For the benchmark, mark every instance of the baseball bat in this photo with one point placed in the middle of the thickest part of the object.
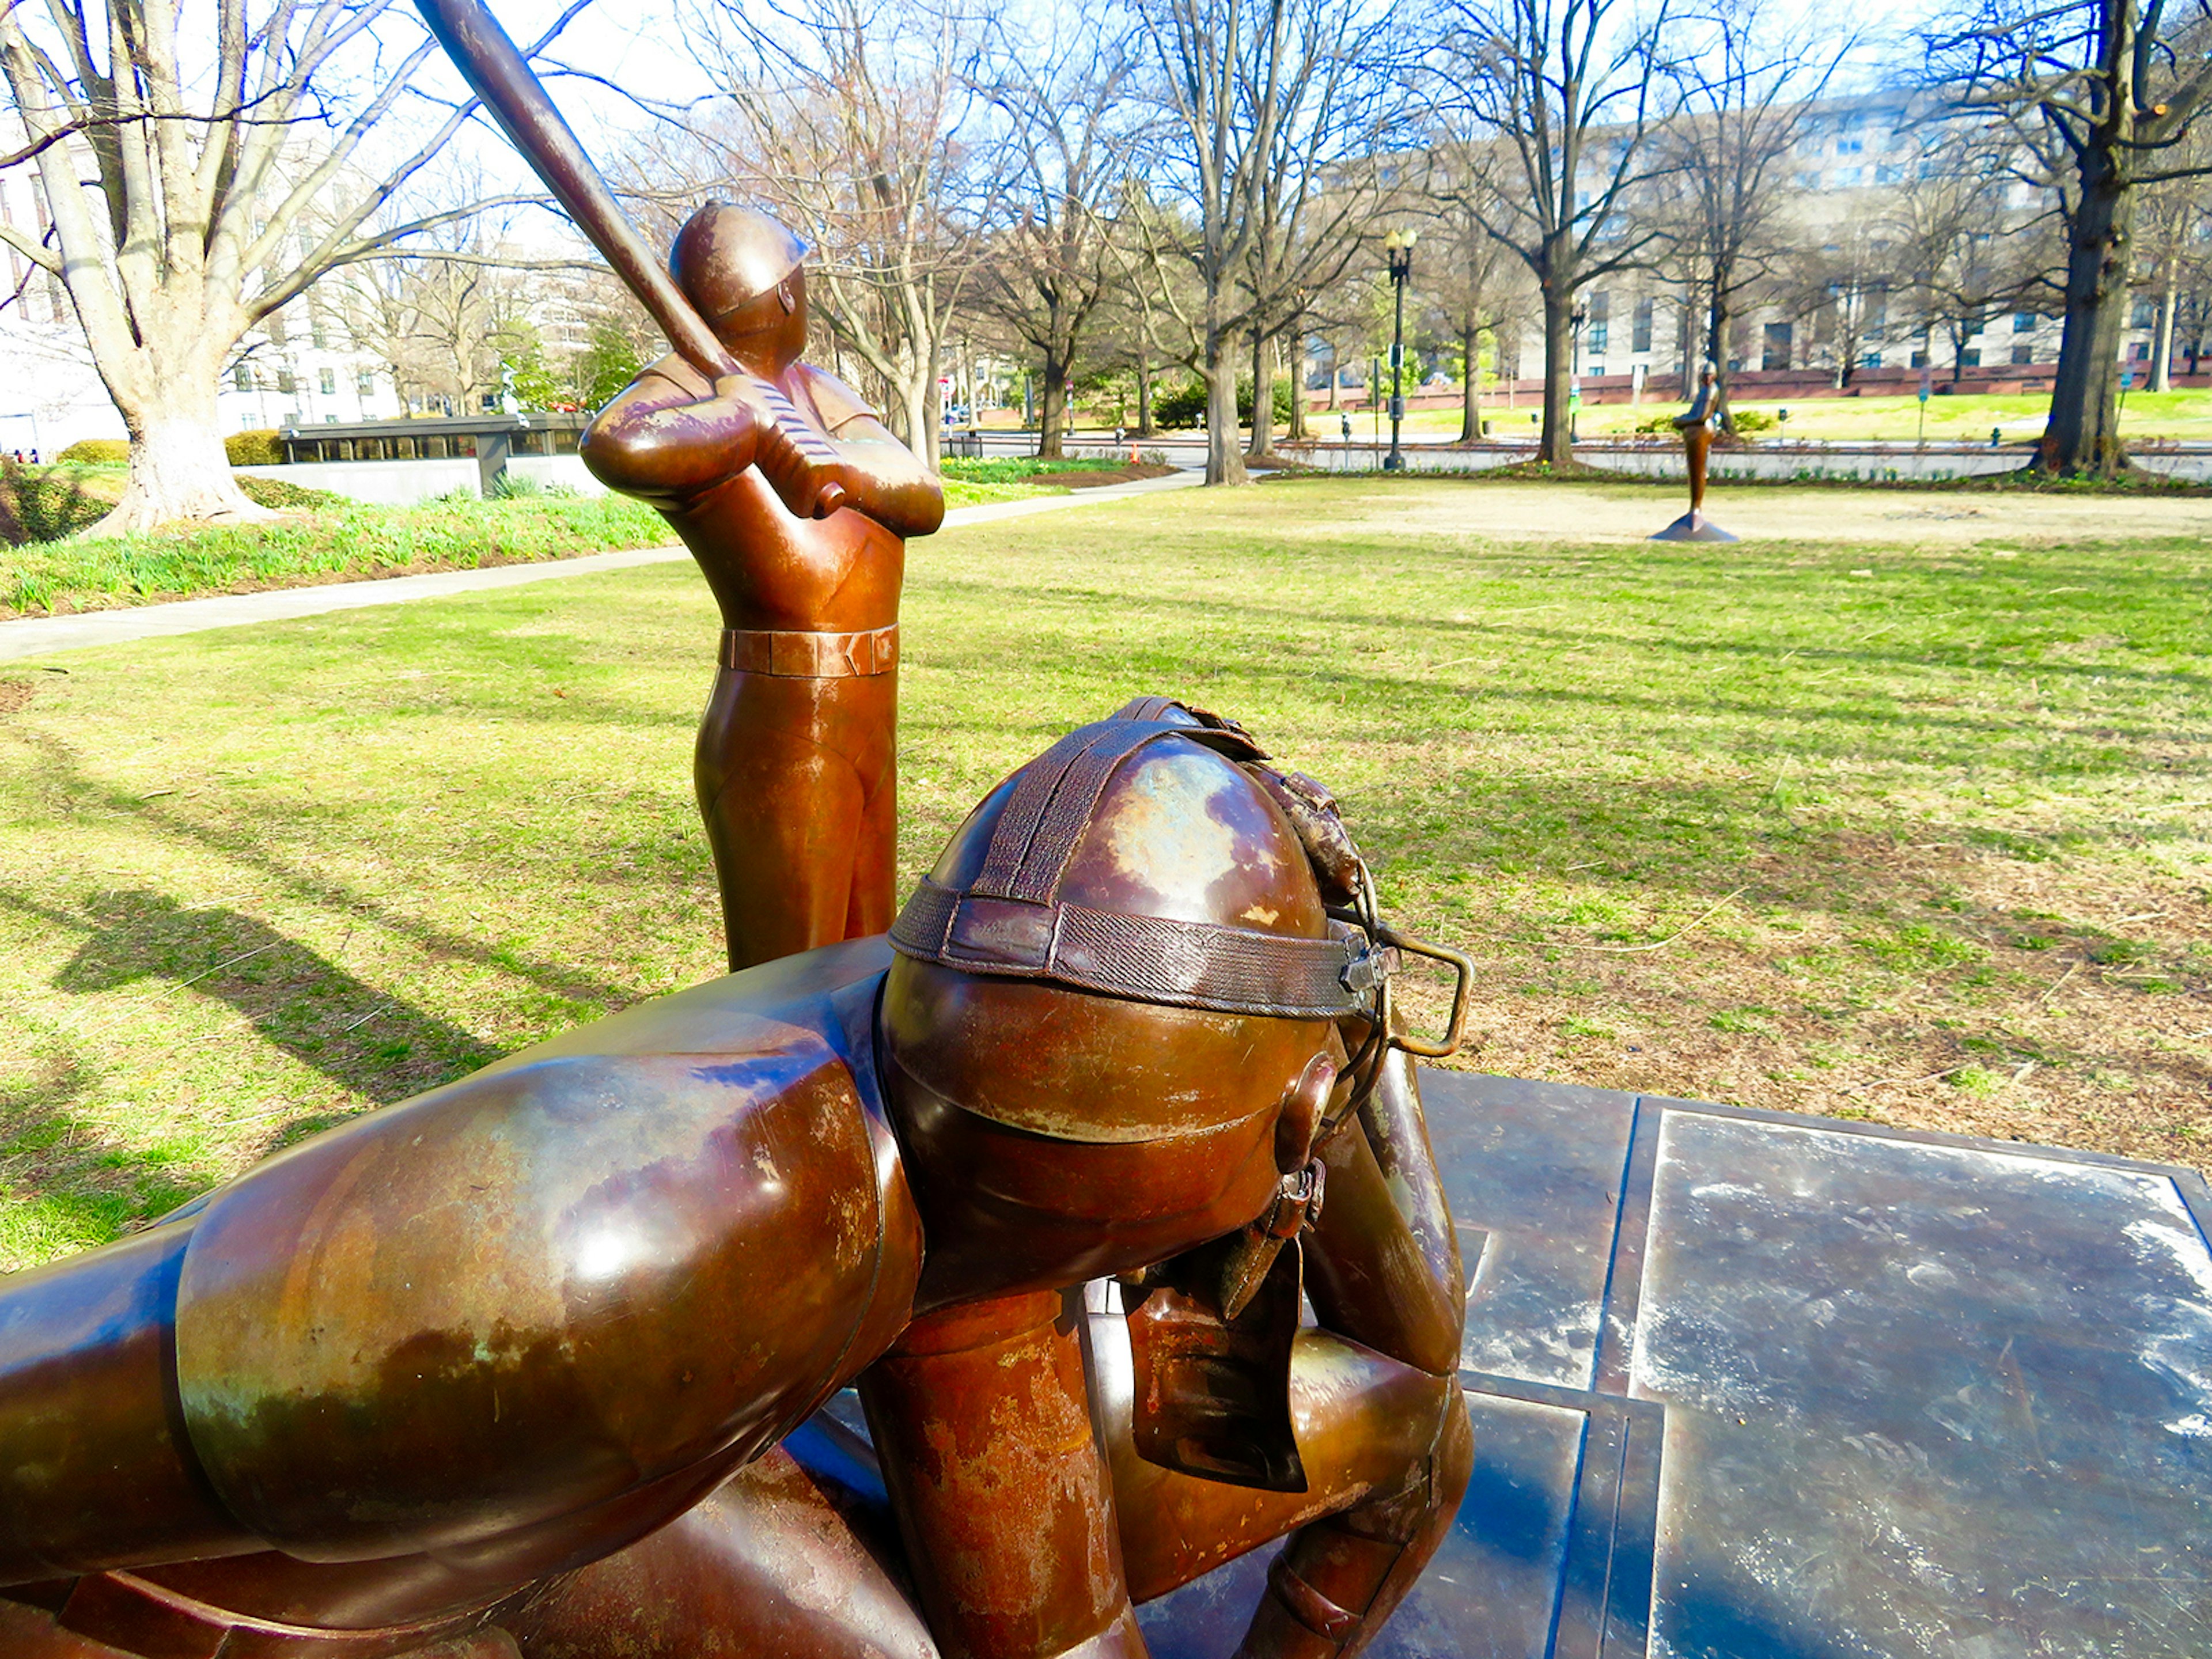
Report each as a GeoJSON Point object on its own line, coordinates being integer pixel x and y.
{"type": "Point", "coordinates": [494, 68]}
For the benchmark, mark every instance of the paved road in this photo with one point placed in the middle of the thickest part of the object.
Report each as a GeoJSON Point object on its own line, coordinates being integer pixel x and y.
{"type": "Point", "coordinates": [36, 636]}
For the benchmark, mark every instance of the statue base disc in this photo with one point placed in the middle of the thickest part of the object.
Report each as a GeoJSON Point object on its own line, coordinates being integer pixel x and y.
{"type": "Point", "coordinates": [1694, 527]}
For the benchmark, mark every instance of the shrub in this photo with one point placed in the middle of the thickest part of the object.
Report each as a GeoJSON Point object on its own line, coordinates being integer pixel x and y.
{"type": "Point", "coordinates": [275, 492]}
{"type": "Point", "coordinates": [259, 447]}
{"type": "Point", "coordinates": [44, 504]}
{"type": "Point", "coordinates": [1179, 407]}
{"type": "Point", "coordinates": [1751, 420]}
{"type": "Point", "coordinates": [98, 452]}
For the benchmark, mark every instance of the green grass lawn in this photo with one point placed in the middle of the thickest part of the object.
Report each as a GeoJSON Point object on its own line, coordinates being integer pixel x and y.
{"type": "Point", "coordinates": [1967, 418]}
{"type": "Point", "coordinates": [321, 538]}
{"type": "Point", "coordinates": [1919, 834]}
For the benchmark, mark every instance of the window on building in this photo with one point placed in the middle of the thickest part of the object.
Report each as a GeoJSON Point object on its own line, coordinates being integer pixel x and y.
{"type": "Point", "coordinates": [273, 326]}
{"type": "Point", "coordinates": [1846, 177]}
{"type": "Point", "coordinates": [328, 379]}
{"type": "Point", "coordinates": [285, 383]}
{"type": "Point", "coordinates": [1850, 146]}
{"type": "Point", "coordinates": [2139, 351]}
{"type": "Point", "coordinates": [2145, 315]}
{"type": "Point", "coordinates": [365, 383]}
{"type": "Point", "coordinates": [1919, 360]}
{"type": "Point", "coordinates": [1809, 181]}
{"type": "Point", "coordinates": [2022, 355]}
{"type": "Point", "coordinates": [1596, 369]}
{"type": "Point", "coordinates": [1970, 358]}
{"type": "Point", "coordinates": [1775, 346]}
{"type": "Point", "coordinates": [1872, 360]}
{"type": "Point", "coordinates": [1640, 337]}
{"type": "Point", "coordinates": [1888, 174]}
{"type": "Point", "coordinates": [2023, 322]}
{"type": "Point", "coordinates": [1599, 333]}
{"type": "Point", "coordinates": [242, 377]}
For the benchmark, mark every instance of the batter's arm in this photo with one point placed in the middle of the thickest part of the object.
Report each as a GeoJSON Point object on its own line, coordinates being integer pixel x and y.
{"type": "Point", "coordinates": [885, 481]}
{"type": "Point", "coordinates": [664, 441]}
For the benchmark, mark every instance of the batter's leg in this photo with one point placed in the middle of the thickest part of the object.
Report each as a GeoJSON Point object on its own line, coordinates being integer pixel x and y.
{"type": "Point", "coordinates": [783, 813]}
{"type": "Point", "coordinates": [874, 750]}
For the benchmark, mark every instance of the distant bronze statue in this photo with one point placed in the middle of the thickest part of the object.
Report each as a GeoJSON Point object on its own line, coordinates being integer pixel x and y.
{"type": "Point", "coordinates": [795, 501]}
{"type": "Point", "coordinates": [1696, 425]}
{"type": "Point", "coordinates": [505, 1369]}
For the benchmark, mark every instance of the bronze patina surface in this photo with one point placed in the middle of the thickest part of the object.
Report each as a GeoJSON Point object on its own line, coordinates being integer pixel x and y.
{"type": "Point", "coordinates": [796, 503]}
{"type": "Point", "coordinates": [536, 1362]}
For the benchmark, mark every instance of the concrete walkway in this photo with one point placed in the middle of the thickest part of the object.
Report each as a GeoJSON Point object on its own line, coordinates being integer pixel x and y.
{"type": "Point", "coordinates": [36, 636]}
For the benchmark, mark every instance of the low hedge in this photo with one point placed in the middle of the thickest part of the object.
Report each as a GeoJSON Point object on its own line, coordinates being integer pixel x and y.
{"type": "Point", "coordinates": [98, 452]}
{"type": "Point", "coordinates": [257, 447]}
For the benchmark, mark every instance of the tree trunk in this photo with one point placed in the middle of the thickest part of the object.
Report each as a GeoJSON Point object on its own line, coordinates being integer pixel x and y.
{"type": "Point", "coordinates": [2162, 355]}
{"type": "Point", "coordinates": [1717, 321]}
{"type": "Point", "coordinates": [178, 466]}
{"type": "Point", "coordinates": [1470, 404]}
{"type": "Point", "coordinates": [1052, 420]}
{"type": "Point", "coordinates": [1557, 445]}
{"type": "Point", "coordinates": [1224, 463]}
{"type": "Point", "coordinates": [1144, 394]}
{"type": "Point", "coordinates": [1686, 336]}
{"type": "Point", "coordinates": [1296, 370]}
{"type": "Point", "coordinates": [2083, 433]}
{"type": "Point", "coordinates": [1263, 399]}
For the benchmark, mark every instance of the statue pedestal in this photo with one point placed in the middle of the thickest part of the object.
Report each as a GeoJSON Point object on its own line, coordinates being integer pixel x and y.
{"type": "Point", "coordinates": [1750, 1385]}
{"type": "Point", "coordinates": [1694, 527]}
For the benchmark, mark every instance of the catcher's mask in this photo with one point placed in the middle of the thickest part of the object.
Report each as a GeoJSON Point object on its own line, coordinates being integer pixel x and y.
{"type": "Point", "coordinates": [1009, 921]}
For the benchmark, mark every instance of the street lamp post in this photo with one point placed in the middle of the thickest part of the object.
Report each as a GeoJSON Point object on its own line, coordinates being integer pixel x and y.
{"type": "Point", "coordinates": [1399, 245]}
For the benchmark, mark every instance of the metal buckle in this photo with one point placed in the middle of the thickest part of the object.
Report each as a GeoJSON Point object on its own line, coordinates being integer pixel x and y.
{"type": "Point", "coordinates": [1462, 966]}
{"type": "Point", "coordinates": [1370, 969]}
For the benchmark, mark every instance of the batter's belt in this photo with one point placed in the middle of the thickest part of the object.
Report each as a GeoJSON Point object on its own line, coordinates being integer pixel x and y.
{"type": "Point", "coordinates": [800, 655]}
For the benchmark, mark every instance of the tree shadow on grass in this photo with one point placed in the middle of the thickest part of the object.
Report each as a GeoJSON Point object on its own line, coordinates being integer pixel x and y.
{"type": "Point", "coordinates": [67, 1184]}
{"type": "Point", "coordinates": [370, 1043]}
{"type": "Point", "coordinates": [63, 778]}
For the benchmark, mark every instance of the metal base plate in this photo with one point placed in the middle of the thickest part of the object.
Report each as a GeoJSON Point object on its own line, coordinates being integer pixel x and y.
{"type": "Point", "coordinates": [1748, 1386]}
{"type": "Point", "coordinates": [1694, 527]}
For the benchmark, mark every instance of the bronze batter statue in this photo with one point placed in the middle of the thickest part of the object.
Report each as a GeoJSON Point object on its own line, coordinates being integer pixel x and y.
{"type": "Point", "coordinates": [796, 763]}
{"type": "Point", "coordinates": [1695, 423]}
{"type": "Point", "coordinates": [796, 502]}
{"type": "Point", "coordinates": [504, 1368]}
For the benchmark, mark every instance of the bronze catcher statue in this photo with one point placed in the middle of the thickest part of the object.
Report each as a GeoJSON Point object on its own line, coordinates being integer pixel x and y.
{"type": "Point", "coordinates": [536, 1361]}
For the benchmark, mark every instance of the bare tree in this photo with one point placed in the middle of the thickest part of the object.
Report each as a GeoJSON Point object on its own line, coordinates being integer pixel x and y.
{"type": "Point", "coordinates": [851, 120]}
{"type": "Point", "coordinates": [188, 205]}
{"type": "Point", "coordinates": [1063, 95]}
{"type": "Point", "coordinates": [1843, 290]}
{"type": "Point", "coordinates": [1562, 100]}
{"type": "Point", "coordinates": [1268, 106]}
{"type": "Point", "coordinates": [1746, 93]}
{"type": "Point", "coordinates": [1465, 271]}
{"type": "Point", "coordinates": [2103, 94]}
{"type": "Point", "coordinates": [2176, 216]}
{"type": "Point", "coordinates": [1961, 252]}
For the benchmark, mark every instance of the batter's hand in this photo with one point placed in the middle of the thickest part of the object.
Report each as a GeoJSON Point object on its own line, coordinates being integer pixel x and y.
{"type": "Point", "coordinates": [797, 462]}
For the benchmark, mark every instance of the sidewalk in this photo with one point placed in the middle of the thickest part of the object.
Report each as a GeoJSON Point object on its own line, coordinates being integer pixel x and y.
{"type": "Point", "coordinates": [35, 636]}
